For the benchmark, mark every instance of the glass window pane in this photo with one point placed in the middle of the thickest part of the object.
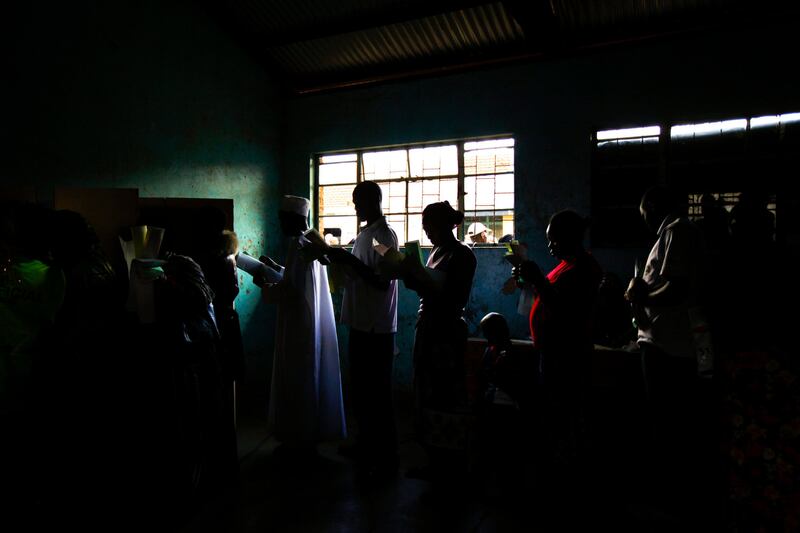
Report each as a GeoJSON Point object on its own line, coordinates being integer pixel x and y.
{"type": "Point", "coordinates": [469, 193]}
{"type": "Point", "coordinates": [347, 225]}
{"type": "Point", "coordinates": [504, 183]}
{"type": "Point", "coordinates": [337, 173]}
{"type": "Point", "coordinates": [415, 195]}
{"type": "Point", "coordinates": [489, 161]}
{"type": "Point", "coordinates": [397, 204]}
{"type": "Point", "coordinates": [337, 158]}
{"type": "Point", "coordinates": [504, 201]}
{"type": "Point", "coordinates": [415, 228]}
{"type": "Point", "coordinates": [398, 224]}
{"type": "Point", "coordinates": [385, 165]}
{"type": "Point", "coordinates": [484, 192]}
{"type": "Point", "coordinates": [449, 191]}
{"type": "Point", "coordinates": [336, 200]}
{"type": "Point", "coordinates": [491, 143]}
{"type": "Point", "coordinates": [386, 193]}
{"type": "Point", "coordinates": [430, 187]}
{"type": "Point", "coordinates": [397, 197]}
{"type": "Point", "coordinates": [434, 161]}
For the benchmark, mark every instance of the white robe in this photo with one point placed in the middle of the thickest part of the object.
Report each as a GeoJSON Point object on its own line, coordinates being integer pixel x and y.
{"type": "Point", "coordinates": [306, 396]}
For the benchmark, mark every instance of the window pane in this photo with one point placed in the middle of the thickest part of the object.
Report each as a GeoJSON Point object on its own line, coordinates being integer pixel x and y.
{"type": "Point", "coordinates": [484, 192]}
{"type": "Point", "coordinates": [398, 224]}
{"type": "Point", "coordinates": [434, 161]}
{"type": "Point", "coordinates": [492, 143]}
{"type": "Point", "coordinates": [504, 183]}
{"type": "Point", "coordinates": [469, 193]}
{"type": "Point", "coordinates": [415, 228]}
{"type": "Point", "coordinates": [504, 201]}
{"type": "Point", "coordinates": [415, 195]}
{"type": "Point", "coordinates": [347, 225]}
{"type": "Point", "coordinates": [336, 200]}
{"type": "Point", "coordinates": [337, 158]}
{"type": "Point", "coordinates": [385, 165]}
{"type": "Point", "coordinates": [489, 161]}
{"type": "Point", "coordinates": [397, 197]}
{"type": "Point", "coordinates": [448, 190]}
{"type": "Point", "coordinates": [337, 173]}
{"type": "Point", "coordinates": [495, 225]}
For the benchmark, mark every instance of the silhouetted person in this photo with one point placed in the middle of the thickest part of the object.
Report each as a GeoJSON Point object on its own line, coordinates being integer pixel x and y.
{"type": "Point", "coordinates": [714, 223]}
{"type": "Point", "coordinates": [31, 294]}
{"type": "Point", "coordinates": [441, 337]}
{"type": "Point", "coordinates": [369, 307]}
{"type": "Point", "coordinates": [507, 387]}
{"type": "Point", "coordinates": [206, 456]}
{"type": "Point", "coordinates": [752, 223]}
{"type": "Point", "coordinates": [504, 367]}
{"type": "Point", "coordinates": [561, 329]}
{"type": "Point", "coordinates": [305, 405]}
{"type": "Point", "coordinates": [214, 248]}
{"type": "Point", "coordinates": [666, 300]}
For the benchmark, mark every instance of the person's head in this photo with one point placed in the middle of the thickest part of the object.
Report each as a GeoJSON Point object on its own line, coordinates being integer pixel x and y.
{"type": "Point", "coordinates": [367, 198]}
{"type": "Point", "coordinates": [478, 233]}
{"type": "Point", "coordinates": [186, 279]}
{"type": "Point", "coordinates": [438, 221]}
{"type": "Point", "coordinates": [657, 203]}
{"type": "Point", "coordinates": [495, 329]}
{"type": "Point", "coordinates": [565, 234]}
{"type": "Point", "coordinates": [293, 215]}
{"type": "Point", "coordinates": [73, 238]}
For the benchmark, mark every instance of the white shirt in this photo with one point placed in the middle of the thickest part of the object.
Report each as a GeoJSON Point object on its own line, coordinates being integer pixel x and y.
{"type": "Point", "coordinates": [678, 253]}
{"type": "Point", "coordinates": [364, 307]}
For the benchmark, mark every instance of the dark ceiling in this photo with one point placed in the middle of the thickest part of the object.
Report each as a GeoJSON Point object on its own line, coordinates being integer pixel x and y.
{"type": "Point", "coordinates": [323, 44]}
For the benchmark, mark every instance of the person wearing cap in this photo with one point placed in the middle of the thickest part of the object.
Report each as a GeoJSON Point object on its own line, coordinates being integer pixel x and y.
{"type": "Point", "coordinates": [477, 233]}
{"type": "Point", "coordinates": [305, 404]}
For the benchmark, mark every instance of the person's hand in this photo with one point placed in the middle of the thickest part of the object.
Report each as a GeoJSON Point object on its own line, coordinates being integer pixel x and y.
{"type": "Point", "coordinates": [529, 272]}
{"type": "Point", "coordinates": [260, 281]}
{"type": "Point", "coordinates": [509, 286]}
{"type": "Point", "coordinates": [637, 291]}
{"type": "Point", "coordinates": [270, 263]}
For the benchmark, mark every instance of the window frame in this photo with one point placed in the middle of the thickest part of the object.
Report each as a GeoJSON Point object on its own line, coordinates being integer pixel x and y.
{"type": "Point", "coordinates": [460, 178]}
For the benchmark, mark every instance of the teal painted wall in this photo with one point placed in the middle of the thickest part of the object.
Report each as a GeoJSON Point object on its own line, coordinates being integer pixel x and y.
{"type": "Point", "coordinates": [551, 107]}
{"type": "Point", "coordinates": [152, 95]}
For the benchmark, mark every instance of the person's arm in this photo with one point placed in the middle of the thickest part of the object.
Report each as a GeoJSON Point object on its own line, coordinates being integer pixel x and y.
{"type": "Point", "coordinates": [671, 291]}
{"type": "Point", "coordinates": [341, 255]}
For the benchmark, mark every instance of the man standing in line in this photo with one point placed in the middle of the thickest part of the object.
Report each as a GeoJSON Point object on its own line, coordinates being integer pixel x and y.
{"type": "Point", "coordinates": [306, 395]}
{"type": "Point", "coordinates": [369, 307]}
{"type": "Point", "coordinates": [666, 303]}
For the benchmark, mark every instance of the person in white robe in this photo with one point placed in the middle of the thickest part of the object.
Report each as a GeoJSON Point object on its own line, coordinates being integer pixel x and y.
{"type": "Point", "coordinates": [305, 404]}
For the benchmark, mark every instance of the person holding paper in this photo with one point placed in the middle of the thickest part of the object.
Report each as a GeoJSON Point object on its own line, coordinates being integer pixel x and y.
{"type": "Point", "coordinates": [444, 286]}
{"type": "Point", "coordinates": [561, 329]}
{"type": "Point", "coordinates": [306, 395]}
{"type": "Point", "coordinates": [369, 308]}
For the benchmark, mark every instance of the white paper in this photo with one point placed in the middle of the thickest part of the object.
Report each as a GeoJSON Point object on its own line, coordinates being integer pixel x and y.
{"type": "Point", "coordinates": [254, 267]}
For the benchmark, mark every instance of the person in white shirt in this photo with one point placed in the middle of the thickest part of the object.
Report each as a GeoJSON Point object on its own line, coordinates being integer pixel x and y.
{"type": "Point", "coordinates": [666, 301]}
{"type": "Point", "coordinates": [369, 308]}
{"type": "Point", "coordinates": [306, 395]}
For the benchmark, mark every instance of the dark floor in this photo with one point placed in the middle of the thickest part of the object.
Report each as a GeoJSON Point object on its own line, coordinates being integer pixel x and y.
{"type": "Point", "coordinates": [327, 494]}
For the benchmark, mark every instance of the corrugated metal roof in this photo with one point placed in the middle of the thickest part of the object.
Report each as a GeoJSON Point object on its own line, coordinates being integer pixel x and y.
{"type": "Point", "coordinates": [455, 33]}
{"type": "Point", "coordinates": [315, 41]}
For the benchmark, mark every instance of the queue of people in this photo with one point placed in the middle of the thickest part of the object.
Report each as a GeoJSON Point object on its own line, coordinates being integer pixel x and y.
{"type": "Point", "coordinates": [60, 286]}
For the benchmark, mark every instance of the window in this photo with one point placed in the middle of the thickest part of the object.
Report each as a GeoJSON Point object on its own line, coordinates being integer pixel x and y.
{"type": "Point", "coordinates": [719, 158]}
{"type": "Point", "coordinates": [475, 176]}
